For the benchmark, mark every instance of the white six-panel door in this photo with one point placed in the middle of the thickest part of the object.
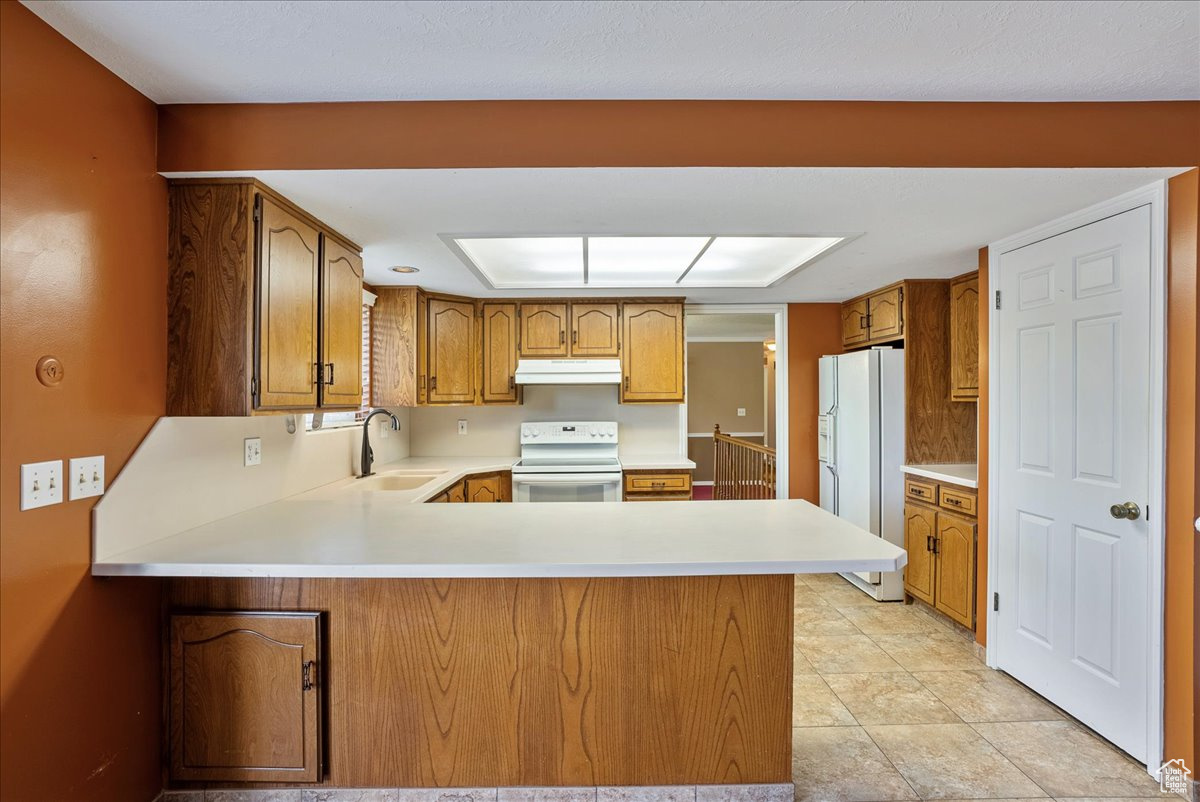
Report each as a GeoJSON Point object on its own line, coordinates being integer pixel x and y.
{"type": "Point", "coordinates": [1075, 404]}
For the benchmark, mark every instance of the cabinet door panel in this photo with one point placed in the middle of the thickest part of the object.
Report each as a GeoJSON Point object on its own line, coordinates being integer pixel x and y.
{"type": "Point", "coordinates": [652, 365]}
{"type": "Point", "coordinates": [499, 353]}
{"type": "Point", "coordinates": [920, 526]}
{"type": "Point", "coordinates": [954, 586]}
{"type": "Point", "coordinates": [241, 708]}
{"type": "Point", "coordinates": [341, 325]}
{"type": "Point", "coordinates": [485, 489]}
{"type": "Point", "coordinates": [964, 339]}
{"type": "Point", "coordinates": [886, 314]}
{"type": "Point", "coordinates": [287, 309]}
{"type": "Point", "coordinates": [543, 330]}
{"type": "Point", "coordinates": [854, 323]}
{"type": "Point", "coordinates": [594, 330]}
{"type": "Point", "coordinates": [457, 494]}
{"type": "Point", "coordinates": [451, 341]}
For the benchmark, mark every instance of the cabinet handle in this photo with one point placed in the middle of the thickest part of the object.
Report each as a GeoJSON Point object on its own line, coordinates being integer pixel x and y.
{"type": "Point", "coordinates": [957, 502]}
{"type": "Point", "coordinates": [308, 681]}
{"type": "Point", "coordinates": [626, 384]}
{"type": "Point", "coordinates": [935, 548]}
{"type": "Point", "coordinates": [319, 369]}
{"type": "Point", "coordinates": [433, 382]}
{"type": "Point", "coordinates": [512, 382]}
{"type": "Point", "coordinates": [562, 336]}
{"type": "Point", "coordinates": [575, 337]}
{"type": "Point", "coordinates": [870, 317]}
{"type": "Point", "coordinates": [862, 322]}
{"type": "Point", "coordinates": [929, 543]}
{"type": "Point", "coordinates": [330, 379]}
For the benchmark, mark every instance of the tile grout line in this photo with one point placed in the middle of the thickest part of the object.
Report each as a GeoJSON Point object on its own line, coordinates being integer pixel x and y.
{"type": "Point", "coordinates": [895, 768]}
{"type": "Point", "coordinates": [1000, 752]}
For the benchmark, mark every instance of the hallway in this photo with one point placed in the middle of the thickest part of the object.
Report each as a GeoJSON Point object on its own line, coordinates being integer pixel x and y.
{"type": "Point", "coordinates": [891, 703]}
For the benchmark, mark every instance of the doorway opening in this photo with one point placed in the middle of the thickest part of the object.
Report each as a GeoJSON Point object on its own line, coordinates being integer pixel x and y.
{"type": "Point", "coordinates": [737, 390]}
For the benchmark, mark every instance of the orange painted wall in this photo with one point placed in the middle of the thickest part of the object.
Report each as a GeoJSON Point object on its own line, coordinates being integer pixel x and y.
{"type": "Point", "coordinates": [1181, 666]}
{"type": "Point", "coordinates": [83, 277]}
{"type": "Point", "coordinates": [814, 330]}
{"type": "Point", "coordinates": [683, 133]}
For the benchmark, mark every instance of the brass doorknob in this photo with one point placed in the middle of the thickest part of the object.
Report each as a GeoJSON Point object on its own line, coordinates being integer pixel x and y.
{"type": "Point", "coordinates": [1128, 511]}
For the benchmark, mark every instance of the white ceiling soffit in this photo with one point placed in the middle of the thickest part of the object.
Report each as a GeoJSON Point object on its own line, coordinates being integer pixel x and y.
{"type": "Point", "coordinates": [730, 327]}
{"type": "Point", "coordinates": [191, 51]}
{"type": "Point", "coordinates": [916, 222]}
{"type": "Point", "coordinates": [513, 262]}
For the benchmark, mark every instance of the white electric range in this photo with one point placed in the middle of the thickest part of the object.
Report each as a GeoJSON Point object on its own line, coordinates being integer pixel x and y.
{"type": "Point", "coordinates": [568, 461]}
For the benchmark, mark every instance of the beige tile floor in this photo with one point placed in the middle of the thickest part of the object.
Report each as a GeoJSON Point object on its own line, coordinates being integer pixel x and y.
{"type": "Point", "coordinates": [891, 703]}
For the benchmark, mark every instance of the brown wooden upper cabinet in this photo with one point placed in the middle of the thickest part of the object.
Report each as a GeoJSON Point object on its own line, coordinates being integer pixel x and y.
{"type": "Point", "coordinates": [874, 318]}
{"type": "Point", "coordinates": [264, 304]}
{"type": "Point", "coordinates": [499, 384]}
{"type": "Point", "coordinates": [964, 337]}
{"type": "Point", "coordinates": [544, 330]}
{"type": "Point", "coordinates": [652, 367]}
{"type": "Point", "coordinates": [341, 325]}
{"type": "Point", "coordinates": [451, 351]}
{"type": "Point", "coordinates": [854, 323]}
{"type": "Point", "coordinates": [244, 695]}
{"type": "Point", "coordinates": [595, 330]}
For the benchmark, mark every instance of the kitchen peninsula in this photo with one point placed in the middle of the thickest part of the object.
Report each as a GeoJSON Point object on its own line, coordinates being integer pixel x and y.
{"type": "Point", "coordinates": [489, 644]}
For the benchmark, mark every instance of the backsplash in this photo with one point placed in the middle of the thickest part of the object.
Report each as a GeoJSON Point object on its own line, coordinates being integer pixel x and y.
{"type": "Point", "coordinates": [492, 431]}
{"type": "Point", "coordinates": [189, 471]}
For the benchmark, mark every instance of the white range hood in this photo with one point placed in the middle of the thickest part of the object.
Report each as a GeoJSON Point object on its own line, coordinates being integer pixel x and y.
{"type": "Point", "coordinates": [569, 371]}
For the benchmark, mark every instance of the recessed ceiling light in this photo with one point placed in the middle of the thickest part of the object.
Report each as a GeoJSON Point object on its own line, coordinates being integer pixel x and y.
{"type": "Point", "coordinates": [405, 269]}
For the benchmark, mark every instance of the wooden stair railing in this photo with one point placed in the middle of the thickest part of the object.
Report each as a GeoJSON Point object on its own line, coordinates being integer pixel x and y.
{"type": "Point", "coordinates": [741, 469]}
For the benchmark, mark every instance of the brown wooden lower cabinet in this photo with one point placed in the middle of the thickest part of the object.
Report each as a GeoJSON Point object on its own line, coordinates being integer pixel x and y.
{"type": "Point", "coordinates": [658, 485]}
{"type": "Point", "coordinates": [478, 488]}
{"type": "Point", "coordinates": [920, 527]}
{"type": "Point", "coordinates": [443, 683]}
{"type": "Point", "coordinates": [245, 696]}
{"type": "Point", "coordinates": [954, 588]}
{"type": "Point", "coordinates": [941, 569]}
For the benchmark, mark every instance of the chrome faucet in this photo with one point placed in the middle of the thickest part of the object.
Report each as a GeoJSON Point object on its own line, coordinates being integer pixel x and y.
{"type": "Point", "coordinates": [368, 456]}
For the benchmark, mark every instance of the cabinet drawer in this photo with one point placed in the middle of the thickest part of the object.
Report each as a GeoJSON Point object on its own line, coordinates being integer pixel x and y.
{"type": "Point", "coordinates": [918, 489]}
{"type": "Point", "coordinates": [957, 499]}
{"type": "Point", "coordinates": [659, 497]}
{"type": "Point", "coordinates": [658, 483]}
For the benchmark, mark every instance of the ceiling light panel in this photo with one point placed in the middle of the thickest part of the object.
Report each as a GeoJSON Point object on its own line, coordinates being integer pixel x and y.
{"type": "Point", "coordinates": [640, 261]}
{"type": "Point", "coordinates": [754, 261]}
{"type": "Point", "coordinates": [527, 261]}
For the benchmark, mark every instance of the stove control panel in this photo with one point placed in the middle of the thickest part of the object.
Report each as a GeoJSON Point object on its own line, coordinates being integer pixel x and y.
{"type": "Point", "coordinates": [569, 432]}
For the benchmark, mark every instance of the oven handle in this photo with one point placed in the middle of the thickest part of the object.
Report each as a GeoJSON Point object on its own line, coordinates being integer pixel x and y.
{"type": "Point", "coordinates": [566, 478]}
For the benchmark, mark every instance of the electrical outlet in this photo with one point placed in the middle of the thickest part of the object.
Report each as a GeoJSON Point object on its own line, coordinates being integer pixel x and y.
{"type": "Point", "coordinates": [253, 453]}
{"type": "Point", "coordinates": [85, 477]}
{"type": "Point", "coordinates": [741, 412]}
{"type": "Point", "coordinates": [462, 426]}
{"type": "Point", "coordinates": [41, 484]}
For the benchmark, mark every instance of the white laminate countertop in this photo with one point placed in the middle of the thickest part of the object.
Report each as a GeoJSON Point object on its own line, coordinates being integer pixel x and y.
{"type": "Point", "coordinates": [964, 474]}
{"type": "Point", "coordinates": [339, 531]}
{"type": "Point", "coordinates": [656, 462]}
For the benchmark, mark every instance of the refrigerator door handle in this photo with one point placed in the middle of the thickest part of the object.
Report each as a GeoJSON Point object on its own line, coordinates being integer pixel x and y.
{"type": "Point", "coordinates": [836, 499]}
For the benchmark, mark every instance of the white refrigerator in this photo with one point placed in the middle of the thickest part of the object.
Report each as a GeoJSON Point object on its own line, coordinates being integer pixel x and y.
{"type": "Point", "coordinates": [860, 448]}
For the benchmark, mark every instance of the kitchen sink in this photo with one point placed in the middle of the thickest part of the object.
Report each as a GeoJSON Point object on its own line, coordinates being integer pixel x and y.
{"type": "Point", "coordinates": [393, 481]}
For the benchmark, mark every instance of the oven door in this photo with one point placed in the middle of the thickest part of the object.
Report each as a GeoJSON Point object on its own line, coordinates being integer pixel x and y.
{"type": "Point", "coordinates": [566, 487]}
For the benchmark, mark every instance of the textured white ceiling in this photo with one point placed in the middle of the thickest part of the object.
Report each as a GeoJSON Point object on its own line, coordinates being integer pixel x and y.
{"type": "Point", "coordinates": [915, 222]}
{"type": "Point", "coordinates": [185, 51]}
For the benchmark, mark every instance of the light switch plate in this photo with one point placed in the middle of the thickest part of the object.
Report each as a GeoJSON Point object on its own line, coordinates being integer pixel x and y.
{"type": "Point", "coordinates": [41, 484]}
{"type": "Point", "coordinates": [85, 477]}
{"type": "Point", "coordinates": [462, 426]}
{"type": "Point", "coordinates": [253, 451]}
{"type": "Point", "coordinates": [741, 412]}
